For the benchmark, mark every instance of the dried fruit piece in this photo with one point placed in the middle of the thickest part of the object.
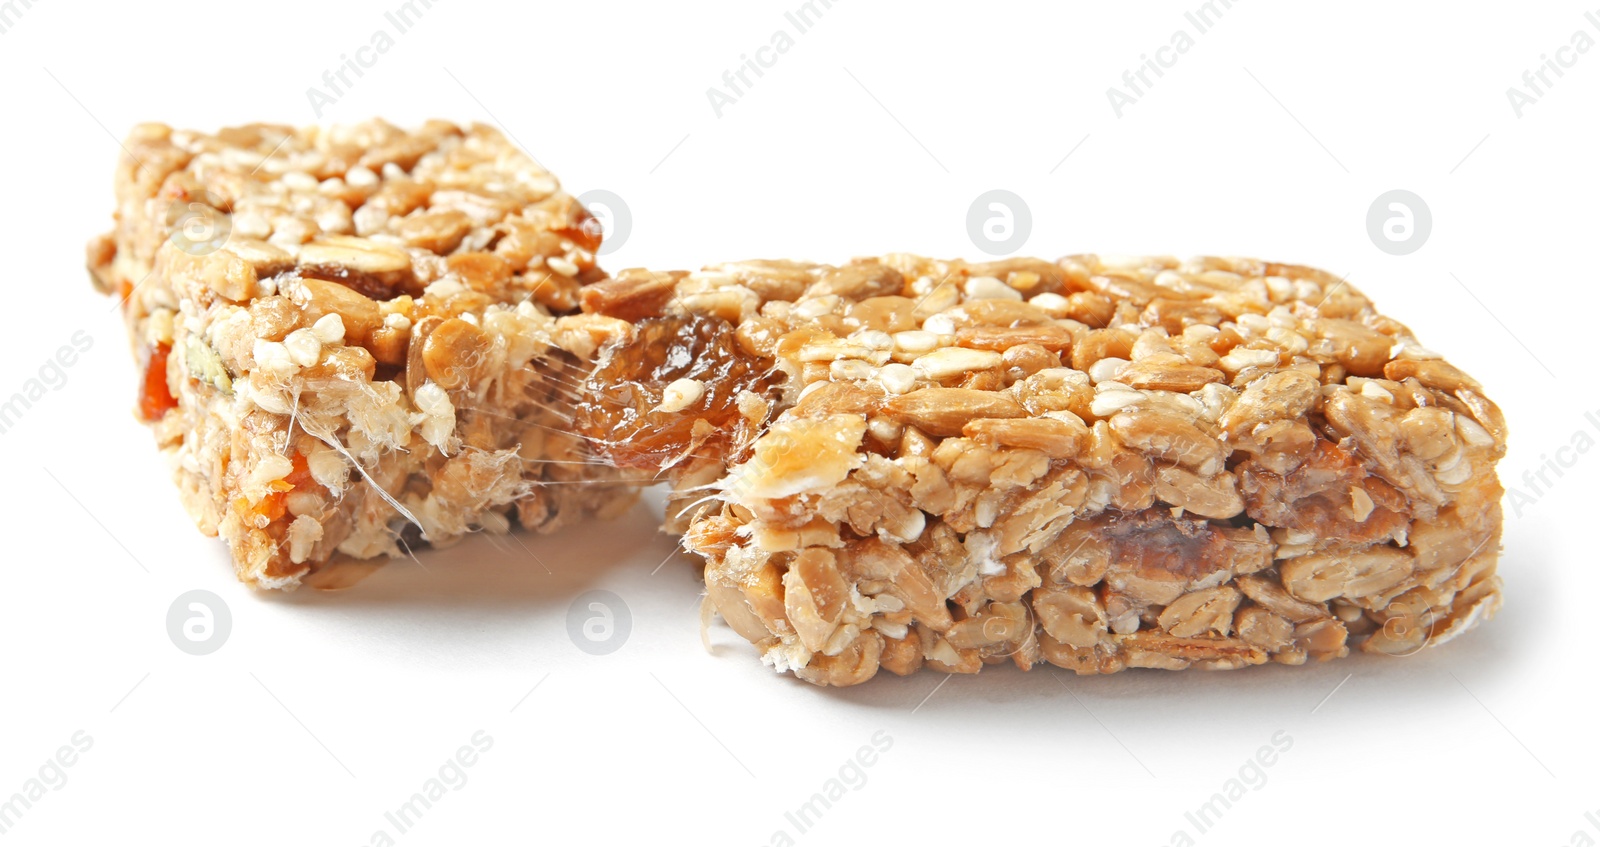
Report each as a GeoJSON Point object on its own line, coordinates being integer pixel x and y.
{"type": "Point", "coordinates": [155, 398]}
{"type": "Point", "coordinates": [619, 410]}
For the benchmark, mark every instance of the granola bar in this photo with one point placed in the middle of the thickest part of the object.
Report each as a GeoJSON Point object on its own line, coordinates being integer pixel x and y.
{"type": "Point", "coordinates": [356, 338]}
{"type": "Point", "coordinates": [1098, 464]}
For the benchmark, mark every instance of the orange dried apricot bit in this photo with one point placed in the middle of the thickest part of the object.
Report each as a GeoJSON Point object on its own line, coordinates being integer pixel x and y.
{"type": "Point", "coordinates": [273, 506]}
{"type": "Point", "coordinates": [155, 399]}
{"type": "Point", "coordinates": [300, 477]}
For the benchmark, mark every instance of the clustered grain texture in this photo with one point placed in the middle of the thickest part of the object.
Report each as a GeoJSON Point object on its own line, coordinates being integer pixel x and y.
{"type": "Point", "coordinates": [354, 338]}
{"type": "Point", "coordinates": [1095, 463]}
{"type": "Point", "coordinates": [347, 332]}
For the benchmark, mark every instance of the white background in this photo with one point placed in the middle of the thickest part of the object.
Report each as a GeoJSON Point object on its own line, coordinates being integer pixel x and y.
{"type": "Point", "coordinates": [874, 133]}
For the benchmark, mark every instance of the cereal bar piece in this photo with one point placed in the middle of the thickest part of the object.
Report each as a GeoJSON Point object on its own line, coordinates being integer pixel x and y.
{"type": "Point", "coordinates": [357, 338]}
{"type": "Point", "coordinates": [1098, 464]}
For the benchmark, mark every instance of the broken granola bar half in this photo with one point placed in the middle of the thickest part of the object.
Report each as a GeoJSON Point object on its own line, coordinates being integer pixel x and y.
{"type": "Point", "coordinates": [344, 333]}
{"type": "Point", "coordinates": [1099, 464]}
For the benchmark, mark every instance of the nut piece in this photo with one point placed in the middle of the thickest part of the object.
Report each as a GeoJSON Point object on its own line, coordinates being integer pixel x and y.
{"type": "Point", "coordinates": [1178, 377]}
{"type": "Point", "coordinates": [1169, 438]}
{"type": "Point", "coordinates": [947, 362]}
{"type": "Point", "coordinates": [1285, 395]}
{"type": "Point", "coordinates": [1321, 577]}
{"type": "Point", "coordinates": [1215, 497]}
{"type": "Point", "coordinates": [223, 272]}
{"type": "Point", "coordinates": [946, 411]}
{"type": "Point", "coordinates": [1360, 350]}
{"type": "Point", "coordinates": [1003, 338]}
{"type": "Point", "coordinates": [320, 298]}
{"type": "Point", "coordinates": [437, 232]}
{"type": "Point", "coordinates": [858, 282]}
{"type": "Point", "coordinates": [456, 354]}
{"type": "Point", "coordinates": [814, 597]}
{"type": "Point", "coordinates": [1057, 438]}
{"type": "Point", "coordinates": [1432, 373]}
{"type": "Point", "coordinates": [354, 253]}
{"type": "Point", "coordinates": [632, 295]}
{"type": "Point", "coordinates": [855, 664]}
{"type": "Point", "coordinates": [1201, 612]}
{"type": "Point", "coordinates": [1071, 615]}
{"type": "Point", "coordinates": [1260, 628]}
